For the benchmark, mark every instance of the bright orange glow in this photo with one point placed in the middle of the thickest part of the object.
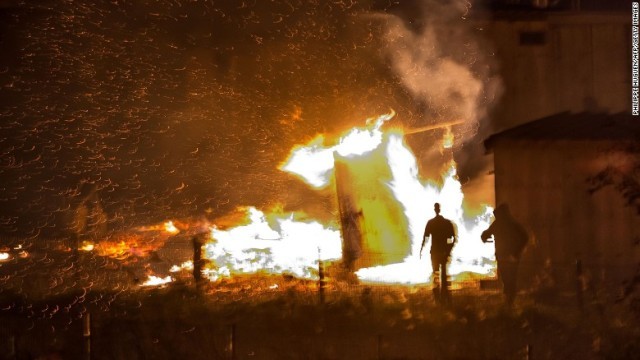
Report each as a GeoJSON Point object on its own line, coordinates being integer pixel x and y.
{"type": "Point", "coordinates": [127, 246]}
{"type": "Point", "coordinates": [4, 256]}
{"type": "Point", "coordinates": [87, 246]}
{"type": "Point", "coordinates": [169, 226]}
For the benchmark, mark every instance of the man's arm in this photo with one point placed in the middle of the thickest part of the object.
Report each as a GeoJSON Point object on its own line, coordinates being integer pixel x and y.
{"type": "Point", "coordinates": [454, 232]}
{"type": "Point", "coordinates": [424, 240]}
{"type": "Point", "coordinates": [451, 238]}
{"type": "Point", "coordinates": [487, 233]}
{"type": "Point", "coordinates": [427, 232]}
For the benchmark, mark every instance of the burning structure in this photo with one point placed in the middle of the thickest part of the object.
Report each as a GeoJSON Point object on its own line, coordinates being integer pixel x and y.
{"type": "Point", "coordinates": [372, 235]}
{"type": "Point", "coordinates": [573, 180]}
{"type": "Point", "coordinates": [384, 203]}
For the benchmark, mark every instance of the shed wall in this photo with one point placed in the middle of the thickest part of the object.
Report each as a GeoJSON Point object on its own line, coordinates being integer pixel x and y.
{"type": "Point", "coordinates": [582, 65]}
{"type": "Point", "coordinates": [546, 185]}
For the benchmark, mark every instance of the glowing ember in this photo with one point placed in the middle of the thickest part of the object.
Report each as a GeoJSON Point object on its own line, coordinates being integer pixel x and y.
{"type": "Point", "coordinates": [87, 246]}
{"type": "Point", "coordinates": [118, 249]}
{"type": "Point", "coordinates": [129, 245]}
{"type": "Point", "coordinates": [170, 228]}
{"type": "Point", "coordinates": [157, 281]}
{"type": "Point", "coordinates": [4, 256]}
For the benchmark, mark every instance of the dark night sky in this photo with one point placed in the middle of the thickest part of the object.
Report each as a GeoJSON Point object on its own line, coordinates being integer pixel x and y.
{"type": "Point", "coordinates": [170, 108]}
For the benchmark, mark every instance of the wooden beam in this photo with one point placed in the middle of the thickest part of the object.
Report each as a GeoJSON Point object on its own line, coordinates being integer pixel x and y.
{"type": "Point", "coordinates": [432, 127]}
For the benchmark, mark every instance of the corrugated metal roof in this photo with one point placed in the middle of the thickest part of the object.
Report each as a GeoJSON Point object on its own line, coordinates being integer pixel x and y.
{"type": "Point", "coordinates": [569, 126]}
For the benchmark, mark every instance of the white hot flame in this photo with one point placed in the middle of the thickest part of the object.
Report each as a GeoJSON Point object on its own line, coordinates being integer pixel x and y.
{"type": "Point", "coordinates": [417, 197]}
{"type": "Point", "coordinates": [87, 246]}
{"type": "Point", "coordinates": [187, 265]}
{"type": "Point", "coordinates": [157, 281]}
{"type": "Point", "coordinates": [314, 162]}
{"type": "Point", "coordinates": [286, 246]}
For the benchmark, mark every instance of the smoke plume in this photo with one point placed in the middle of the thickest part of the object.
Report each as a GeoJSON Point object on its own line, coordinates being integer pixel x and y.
{"type": "Point", "coordinates": [440, 58]}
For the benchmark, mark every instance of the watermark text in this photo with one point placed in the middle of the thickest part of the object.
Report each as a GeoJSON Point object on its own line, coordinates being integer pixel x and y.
{"type": "Point", "coordinates": [635, 58]}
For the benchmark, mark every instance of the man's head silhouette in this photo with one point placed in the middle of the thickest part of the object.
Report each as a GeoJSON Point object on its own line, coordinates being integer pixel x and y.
{"type": "Point", "coordinates": [436, 208]}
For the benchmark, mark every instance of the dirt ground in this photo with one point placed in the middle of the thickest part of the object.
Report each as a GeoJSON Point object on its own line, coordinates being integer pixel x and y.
{"type": "Point", "coordinates": [45, 303]}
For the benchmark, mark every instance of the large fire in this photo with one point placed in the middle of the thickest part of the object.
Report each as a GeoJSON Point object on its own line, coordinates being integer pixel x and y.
{"type": "Point", "coordinates": [284, 245]}
{"type": "Point", "coordinates": [392, 205]}
{"type": "Point", "coordinates": [383, 162]}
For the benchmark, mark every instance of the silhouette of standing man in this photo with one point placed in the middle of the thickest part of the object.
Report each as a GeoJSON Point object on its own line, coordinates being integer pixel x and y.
{"type": "Point", "coordinates": [510, 238]}
{"type": "Point", "coordinates": [443, 237]}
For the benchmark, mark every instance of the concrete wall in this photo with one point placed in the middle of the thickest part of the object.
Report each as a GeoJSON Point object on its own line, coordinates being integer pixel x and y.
{"type": "Point", "coordinates": [582, 64]}
{"type": "Point", "coordinates": [546, 186]}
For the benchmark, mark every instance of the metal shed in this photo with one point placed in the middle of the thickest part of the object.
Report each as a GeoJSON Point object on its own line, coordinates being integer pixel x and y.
{"type": "Point", "coordinates": [573, 180]}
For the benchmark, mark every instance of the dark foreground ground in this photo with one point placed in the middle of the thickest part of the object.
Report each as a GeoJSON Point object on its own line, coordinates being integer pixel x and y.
{"type": "Point", "coordinates": [249, 318]}
{"type": "Point", "coordinates": [45, 299]}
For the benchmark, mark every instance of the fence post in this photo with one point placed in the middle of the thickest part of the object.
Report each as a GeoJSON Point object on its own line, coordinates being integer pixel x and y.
{"type": "Point", "coordinates": [86, 335]}
{"type": "Point", "coordinates": [232, 342]}
{"type": "Point", "coordinates": [11, 351]}
{"type": "Point", "coordinates": [321, 281]}
{"type": "Point", "coordinates": [579, 289]}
